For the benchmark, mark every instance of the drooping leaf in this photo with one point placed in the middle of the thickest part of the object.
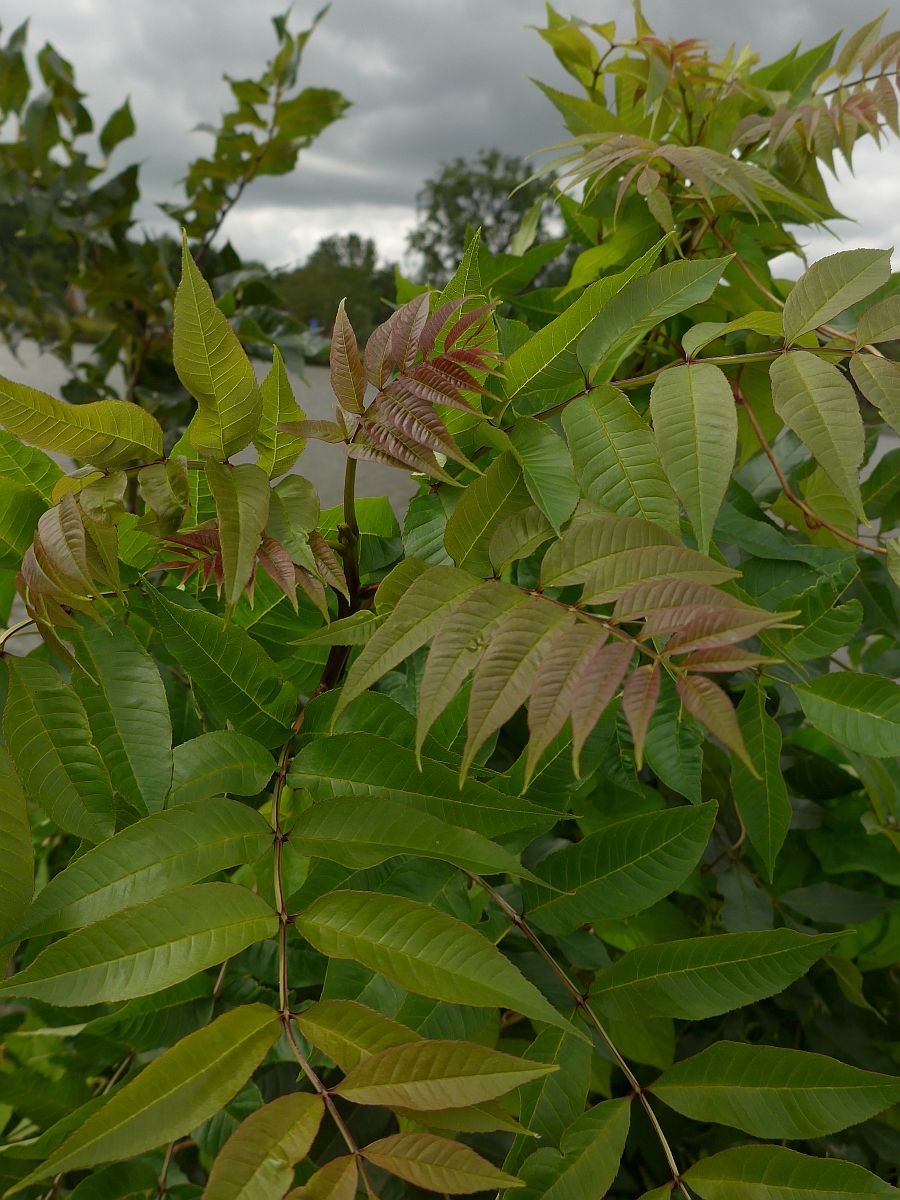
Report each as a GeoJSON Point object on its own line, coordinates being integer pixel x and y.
{"type": "Point", "coordinates": [436, 1163]}
{"type": "Point", "coordinates": [16, 852]}
{"type": "Point", "coordinates": [695, 427]}
{"type": "Point", "coordinates": [704, 976]}
{"type": "Point", "coordinates": [708, 704]}
{"type": "Point", "coordinates": [588, 1162]}
{"type": "Point", "coordinates": [171, 1096]}
{"type": "Point", "coordinates": [219, 762]}
{"type": "Point", "coordinates": [546, 468]}
{"type": "Point", "coordinates": [493, 497]}
{"type": "Point", "coordinates": [880, 322]}
{"type": "Point", "coordinates": [25, 465]}
{"type": "Point", "coordinates": [815, 400]}
{"type": "Point", "coordinates": [422, 949]}
{"type": "Point", "coordinates": [242, 505]}
{"type": "Point", "coordinates": [615, 458]}
{"type": "Point", "coordinates": [619, 870]}
{"type": "Point", "coordinates": [831, 285]}
{"type": "Point", "coordinates": [47, 734]}
{"type": "Point", "coordinates": [772, 1172]}
{"type": "Point", "coordinates": [105, 433]}
{"type": "Point", "coordinates": [761, 800]}
{"type": "Point", "coordinates": [639, 697]}
{"type": "Point", "coordinates": [278, 451]}
{"type": "Point", "coordinates": [257, 1161]}
{"type": "Point", "coordinates": [166, 490]}
{"type": "Point", "coordinates": [774, 1092]}
{"type": "Point", "coordinates": [158, 854]}
{"type": "Point", "coordinates": [860, 711]}
{"type": "Point", "coordinates": [357, 833]}
{"type": "Point", "coordinates": [137, 951]}
{"type": "Point", "coordinates": [126, 706]}
{"type": "Point", "coordinates": [228, 666]}
{"type": "Point", "coordinates": [212, 365]}
{"type": "Point", "coordinates": [426, 1075]}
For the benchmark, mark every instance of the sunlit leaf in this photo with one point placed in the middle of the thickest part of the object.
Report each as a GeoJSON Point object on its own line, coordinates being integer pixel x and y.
{"type": "Point", "coordinates": [831, 285]}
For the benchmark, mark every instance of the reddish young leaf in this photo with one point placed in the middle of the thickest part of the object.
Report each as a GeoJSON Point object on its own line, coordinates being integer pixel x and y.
{"type": "Point", "coordinates": [327, 562]}
{"type": "Point", "coordinates": [639, 697]}
{"type": "Point", "coordinates": [377, 358]}
{"type": "Point", "coordinates": [718, 626]}
{"type": "Point", "coordinates": [436, 322]}
{"type": "Point", "coordinates": [706, 701]}
{"type": "Point", "coordinates": [664, 598]}
{"type": "Point", "coordinates": [602, 671]}
{"type": "Point", "coordinates": [278, 565]}
{"type": "Point", "coordinates": [404, 448]}
{"type": "Point", "coordinates": [322, 431]}
{"type": "Point", "coordinates": [348, 377]}
{"type": "Point", "coordinates": [465, 323]}
{"type": "Point", "coordinates": [725, 659]}
{"type": "Point", "coordinates": [407, 329]}
{"type": "Point", "coordinates": [431, 385]}
{"type": "Point", "coordinates": [416, 420]}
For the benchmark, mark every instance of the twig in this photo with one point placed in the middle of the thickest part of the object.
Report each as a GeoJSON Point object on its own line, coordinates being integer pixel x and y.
{"type": "Point", "coordinates": [162, 1184]}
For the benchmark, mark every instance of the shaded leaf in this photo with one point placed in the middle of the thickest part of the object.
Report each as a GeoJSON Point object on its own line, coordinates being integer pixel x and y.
{"type": "Point", "coordinates": [436, 1164]}
{"type": "Point", "coordinates": [257, 1161]}
{"type": "Point", "coordinates": [761, 800]}
{"type": "Point", "coordinates": [860, 711]}
{"type": "Point", "coordinates": [16, 853]}
{"type": "Point", "coordinates": [219, 762]}
{"type": "Point", "coordinates": [771, 1172]}
{"type": "Point", "coordinates": [493, 496]}
{"type": "Point", "coordinates": [591, 1150]}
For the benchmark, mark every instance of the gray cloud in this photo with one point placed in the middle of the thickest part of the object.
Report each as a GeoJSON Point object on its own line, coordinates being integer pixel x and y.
{"type": "Point", "coordinates": [430, 79]}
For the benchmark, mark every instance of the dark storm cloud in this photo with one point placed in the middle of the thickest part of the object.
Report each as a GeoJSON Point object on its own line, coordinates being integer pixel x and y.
{"type": "Point", "coordinates": [429, 79]}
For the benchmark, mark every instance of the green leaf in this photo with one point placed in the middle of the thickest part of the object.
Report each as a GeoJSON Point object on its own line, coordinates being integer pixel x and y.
{"type": "Point", "coordinates": [337, 1180]}
{"type": "Point", "coordinates": [641, 304]}
{"type": "Point", "coordinates": [695, 427]}
{"type": "Point", "coordinates": [257, 1161]}
{"type": "Point", "coordinates": [16, 852]}
{"type": "Point", "coordinates": [430, 1075]}
{"type": "Point", "coordinates": [349, 1033]}
{"type": "Point", "coordinates": [860, 711]}
{"type": "Point", "coordinates": [228, 666]}
{"type": "Point", "coordinates": [242, 507]}
{"type": "Point", "coordinates": [362, 764]}
{"type": "Point", "coordinates": [831, 285]}
{"type": "Point", "coordinates": [879, 381]}
{"type": "Point", "coordinates": [126, 705]}
{"type": "Point", "coordinates": [487, 502]}
{"type": "Point", "coordinates": [615, 458]}
{"type": "Point", "coordinates": [591, 540]}
{"type": "Point", "coordinates": [106, 433]}
{"type": "Point", "coordinates": [879, 323]}
{"type": "Point", "coordinates": [773, 1092]}
{"type": "Point", "coordinates": [25, 465]}
{"type": "Point", "coordinates": [619, 870]}
{"type": "Point", "coordinates": [762, 801]}
{"type": "Point", "coordinates": [519, 536]}
{"type": "Point", "coordinates": [278, 451]}
{"type": "Point", "coordinates": [619, 573]}
{"type": "Point", "coordinates": [419, 613]}
{"type": "Point", "coordinates": [156, 855]}
{"type": "Point", "coordinates": [546, 468]}
{"type": "Point", "coordinates": [119, 125]}
{"type": "Point", "coordinates": [171, 1096]}
{"type": "Point", "coordinates": [48, 737]}
{"type": "Point", "coordinates": [704, 976]}
{"type": "Point", "coordinates": [674, 747]}
{"type": "Point", "coordinates": [436, 1163]}
{"type": "Point", "coordinates": [591, 1150]}
{"type": "Point", "coordinates": [219, 762]}
{"type": "Point", "coordinates": [548, 358]}
{"type": "Point", "coordinates": [824, 627]}
{"type": "Point", "coordinates": [814, 399]}
{"type": "Point", "coordinates": [212, 365]}
{"type": "Point", "coordinates": [775, 1173]}
{"type": "Point", "coordinates": [144, 949]}
{"type": "Point", "coordinates": [698, 336]}
{"type": "Point", "coordinates": [353, 831]}
{"type": "Point", "coordinates": [422, 949]}
{"type": "Point", "coordinates": [120, 1181]}
{"type": "Point", "coordinates": [20, 510]}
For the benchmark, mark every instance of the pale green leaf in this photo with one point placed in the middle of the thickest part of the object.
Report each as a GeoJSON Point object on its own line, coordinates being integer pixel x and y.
{"type": "Point", "coordinates": [619, 870]}
{"type": "Point", "coordinates": [704, 976]}
{"type": "Point", "coordinates": [485, 503]}
{"type": "Point", "coordinates": [815, 400]}
{"type": "Point", "coordinates": [590, 540]}
{"type": "Point", "coordinates": [158, 854]}
{"type": "Point", "coordinates": [242, 507]}
{"type": "Point", "coordinates": [20, 510]}
{"type": "Point", "coordinates": [546, 468]}
{"type": "Point", "coordinates": [257, 1161]}
{"type": "Point", "coordinates": [616, 460]}
{"type": "Point", "coordinates": [105, 433]}
{"type": "Point", "coordinates": [698, 336]}
{"type": "Point", "coordinates": [436, 1163]}
{"type": "Point", "coordinates": [278, 451]}
{"type": "Point", "coordinates": [880, 322]}
{"type": "Point", "coordinates": [126, 705]}
{"type": "Point", "coordinates": [16, 853]}
{"type": "Point", "coordinates": [47, 734]}
{"type": "Point", "coordinates": [144, 949]}
{"type": "Point", "coordinates": [231, 670]}
{"type": "Point", "coordinates": [695, 427]}
{"type": "Point", "coordinates": [171, 1096]}
{"type": "Point", "coordinates": [860, 711]}
{"type": "Point", "coordinates": [774, 1092]}
{"type": "Point", "coordinates": [212, 365]}
{"type": "Point", "coordinates": [762, 801]}
{"type": "Point", "coordinates": [423, 950]}
{"type": "Point", "coordinates": [832, 284]}
{"type": "Point", "coordinates": [430, 1075]}
{"type": "Point", "coordinates": [619, 572]}
{"type": "Point", "coordinates": [588, 1162]}
{"type": "Point", "coordinates": [337, 1180]}
{"type": "Point", "coordinates": [879, 381]}
{"type": "Point", "coordinates": [219, 762]}
{"type": "Point", "coordinates": [23, 464]}
{"type": "Point", "coordinates": [353, 831]}
{"type": "Point", "coordinates": [776, 1173]}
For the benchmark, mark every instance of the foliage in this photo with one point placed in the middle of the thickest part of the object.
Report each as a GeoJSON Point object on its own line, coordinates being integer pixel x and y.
{"type": "Point", "coordinates": [320, 910]}
{"type": "Point", "coordinates": [76, 273]}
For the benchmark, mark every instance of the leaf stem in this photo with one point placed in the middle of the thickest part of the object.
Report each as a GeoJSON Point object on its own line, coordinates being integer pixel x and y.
{"type": "Point", "coordinates": [582, 1004]}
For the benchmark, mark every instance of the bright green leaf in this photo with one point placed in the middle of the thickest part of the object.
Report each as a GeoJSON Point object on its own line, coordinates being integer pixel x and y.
{"type": "Point", "coordinates": [832, 284]}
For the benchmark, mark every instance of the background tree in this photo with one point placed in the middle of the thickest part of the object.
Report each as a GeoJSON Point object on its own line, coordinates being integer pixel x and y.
{"type": "Point", "coordinates": [343, 265]}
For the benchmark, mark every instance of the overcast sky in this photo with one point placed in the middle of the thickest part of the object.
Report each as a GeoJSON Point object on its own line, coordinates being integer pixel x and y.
{"type": "Point", "coordinates": [429, 80]}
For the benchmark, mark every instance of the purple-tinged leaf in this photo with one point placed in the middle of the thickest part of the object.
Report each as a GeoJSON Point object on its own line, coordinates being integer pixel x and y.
{"type": "Point", "coordinates": [322, 431]}
{"type": "Point", "coordinates": [719, 627]}
{"type": "Point", "coordinates": [725, 659]}
{"type": "Point", "coordinates": [708, 704]}
{"type": "Point", "coordinates": [327, 563]}
{"type": "Point", "coordinates": [404, 449]}
{"type": "Point", "coordinates": [602, 671]}
{"type": "Point", "coordinates": [639, 697]}
{"type": "Point", "coordinates": [348, 376]}
{"type": "Point", "coordinates": [417, 421]}
{"type": "Point", "coordinates": [377, 358]}
{"type": "Point", "coordinates": [436, 322]}
{"type": "Point", "coordinates": [408, 329]}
